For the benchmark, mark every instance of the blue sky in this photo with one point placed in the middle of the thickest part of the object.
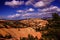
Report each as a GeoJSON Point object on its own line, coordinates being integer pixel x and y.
{"type": "Point", "coordinates": [28, 8]}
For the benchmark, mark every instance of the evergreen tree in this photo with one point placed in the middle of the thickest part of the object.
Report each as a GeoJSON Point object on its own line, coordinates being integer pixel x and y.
{"type": "Point", "coordinates": [53, 28]}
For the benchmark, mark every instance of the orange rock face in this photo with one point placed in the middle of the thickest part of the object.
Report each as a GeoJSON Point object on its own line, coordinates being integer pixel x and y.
{"type": "Point", "coordinates": [24, 32]}
{"type": "Point", "coordinates": [35, 22]}
{"type": "Point", "coordinates": [26, 28]}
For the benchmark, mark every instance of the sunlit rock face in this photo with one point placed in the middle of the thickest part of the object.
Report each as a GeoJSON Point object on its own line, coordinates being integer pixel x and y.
{"type": "Point", "coordinates": [35, 22]}
{"type": "Point", "coordinates": [28, 26]}
{"type": "Point", "coordinates": [24, 32]}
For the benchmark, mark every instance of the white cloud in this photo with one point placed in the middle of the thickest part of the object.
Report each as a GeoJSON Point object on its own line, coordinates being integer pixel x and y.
{"type": "Point", "coordinates": [17, 15]}
{"type": "Point", "coordinates": [48, 11]}
{"type": "Point", "coordinates": [48, 1]}
{"type": "Point", "coordinates": [51, 9]}
{"type": "Point", "coordinates": [30, 9]}
{"type": "Point", "coordinates": [28, 3]}
{"type": "Point", "coordinates": [27, 14]}
{"type": "Point", "coordinates": [14, 3]}
{"type": "Point", "coordinates": [58, 9]}
{"type": "Point", "coordinates": [42, 3]}
{"type": "Point", "coordinates": [39, 4]}
{"type": "Point", "coordinates": [25, 11]}
{"type": "Point", "coordinates": [13, 16]}
{"type": "Point", "coordinates": [10, 16]}
{"type": "Point", "coordinates": [20, 11]}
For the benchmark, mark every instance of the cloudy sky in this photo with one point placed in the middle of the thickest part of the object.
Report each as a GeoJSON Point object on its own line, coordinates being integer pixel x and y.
{"type": "Point", "coordinates": [21, 9]}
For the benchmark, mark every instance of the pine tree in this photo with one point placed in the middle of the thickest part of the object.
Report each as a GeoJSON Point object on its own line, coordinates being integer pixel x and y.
{"type": "Point", "coordinates": [53, 28]}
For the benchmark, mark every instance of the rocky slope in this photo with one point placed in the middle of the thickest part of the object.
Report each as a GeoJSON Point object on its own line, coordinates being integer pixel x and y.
{"type": "Point", "coordinates": [21, 28]}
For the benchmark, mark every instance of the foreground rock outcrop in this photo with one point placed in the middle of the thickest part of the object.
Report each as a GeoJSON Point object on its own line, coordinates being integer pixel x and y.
{"type": "Point", "coordinates": [21, 32]}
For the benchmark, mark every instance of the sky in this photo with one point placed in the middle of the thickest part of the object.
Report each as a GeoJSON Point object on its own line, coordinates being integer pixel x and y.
{"type": "Point", "coordinates": [20, 9]}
